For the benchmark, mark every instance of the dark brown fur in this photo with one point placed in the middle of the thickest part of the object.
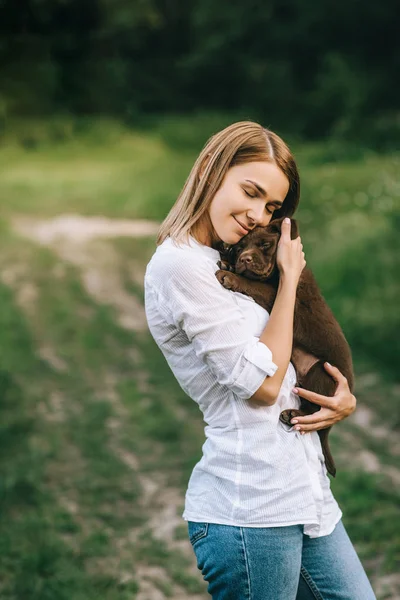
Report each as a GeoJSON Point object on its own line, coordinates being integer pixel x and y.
{"type": "Point", "coordinates": [250, 267]}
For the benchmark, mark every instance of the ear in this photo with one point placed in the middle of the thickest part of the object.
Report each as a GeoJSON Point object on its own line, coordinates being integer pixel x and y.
{"type": "Point", "coordinates": [231, 254]}
{"type": "Point", "coordinates": [228, 253]}
{"type": "Point", "coordinates": [276, 225]}
{"type": "Point", "coordinates": [294, 229]}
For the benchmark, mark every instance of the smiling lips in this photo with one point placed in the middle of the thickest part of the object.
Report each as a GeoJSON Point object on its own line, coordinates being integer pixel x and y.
{"type": "Point", "coordinates": [246, 229]}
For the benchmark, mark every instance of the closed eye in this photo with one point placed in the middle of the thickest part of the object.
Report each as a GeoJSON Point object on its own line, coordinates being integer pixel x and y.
{"type": "Point", "coordinates": [255, 196]}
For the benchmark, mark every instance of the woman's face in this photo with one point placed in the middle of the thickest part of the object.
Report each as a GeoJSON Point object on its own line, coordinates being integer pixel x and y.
{"type": "Point", "coordinates": [248, 195]}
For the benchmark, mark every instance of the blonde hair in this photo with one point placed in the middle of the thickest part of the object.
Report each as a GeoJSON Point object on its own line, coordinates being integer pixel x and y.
{"type": "Point", "coordinates": [239, 143]}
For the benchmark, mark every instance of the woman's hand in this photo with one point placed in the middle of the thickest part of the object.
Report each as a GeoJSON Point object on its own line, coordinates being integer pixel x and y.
{"type": "Point", "coordinates": [334, 408]}
{"type": "Point", "coordinates": [290, 256]}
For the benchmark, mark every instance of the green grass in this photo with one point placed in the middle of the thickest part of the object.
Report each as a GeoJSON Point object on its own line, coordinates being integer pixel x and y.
{"type": "Point", "coordinates": [75, 522]}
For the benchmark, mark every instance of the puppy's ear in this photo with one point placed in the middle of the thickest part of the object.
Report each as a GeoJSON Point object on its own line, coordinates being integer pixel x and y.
{"type": "Point", "coordinates": [276, 225]}
{"type": "Point", "coordinates": [294, 229]}
{"type": "Point", "coordinates": [228, 253]}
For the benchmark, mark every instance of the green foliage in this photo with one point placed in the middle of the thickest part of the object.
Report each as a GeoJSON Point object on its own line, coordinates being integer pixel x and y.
{"type": "Point", "coordinates": [315, 70]}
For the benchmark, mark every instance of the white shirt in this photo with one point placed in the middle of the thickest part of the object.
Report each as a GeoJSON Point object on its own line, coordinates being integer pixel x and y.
{"type": "Point", "coordinates": [255, 471]}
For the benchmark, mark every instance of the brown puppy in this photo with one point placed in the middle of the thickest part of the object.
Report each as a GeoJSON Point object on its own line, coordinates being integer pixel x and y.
{"type": "Point", "coordinates": [250, 267]}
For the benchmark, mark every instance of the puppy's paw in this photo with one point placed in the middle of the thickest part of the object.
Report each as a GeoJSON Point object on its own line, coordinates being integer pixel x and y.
{"type": "Point", "coordinates": [287, 415]}
{"type": "Point", "coordinates": [227, 279]}
{"type": "Point", "coordinates": [226, 266]}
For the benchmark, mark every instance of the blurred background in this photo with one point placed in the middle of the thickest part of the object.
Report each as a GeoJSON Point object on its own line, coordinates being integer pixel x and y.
{"type": "Point", "coordinates": [104, 107]}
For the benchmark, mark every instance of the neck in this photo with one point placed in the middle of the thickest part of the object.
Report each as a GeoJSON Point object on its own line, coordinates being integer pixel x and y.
{"type": "Point", "coordinates": [202, 235]}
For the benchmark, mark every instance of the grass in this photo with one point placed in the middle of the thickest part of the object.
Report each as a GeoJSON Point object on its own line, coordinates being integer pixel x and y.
{"type": "Point", "coordinates": [80, 435]}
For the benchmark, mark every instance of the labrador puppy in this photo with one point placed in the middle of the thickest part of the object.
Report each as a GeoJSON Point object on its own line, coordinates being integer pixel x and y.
{"type": "Point", "coordinates": [250, 267]}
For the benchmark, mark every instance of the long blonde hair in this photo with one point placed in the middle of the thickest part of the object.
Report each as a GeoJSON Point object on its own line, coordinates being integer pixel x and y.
{"type": "Point", "coordinates": [239, 143]}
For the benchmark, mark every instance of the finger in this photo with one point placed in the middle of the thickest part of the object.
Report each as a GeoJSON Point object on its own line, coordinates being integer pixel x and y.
{"type": "Point", "coordinates": [320, 415]}
{"type": "Point", "coordinates": [335, 373]}
{"type": "Point", "coordinates": [326, 401]}
{"type": "Point", "coordinates": [315, 426]}
{"type": "Point", "coordinates": [285, 230]}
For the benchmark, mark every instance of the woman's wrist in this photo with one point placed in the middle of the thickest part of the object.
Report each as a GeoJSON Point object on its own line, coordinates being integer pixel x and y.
{"type": "Point", "coordinates": [288, 281]}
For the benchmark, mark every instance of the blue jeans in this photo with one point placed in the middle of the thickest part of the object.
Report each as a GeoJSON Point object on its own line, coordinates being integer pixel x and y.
{"type": "Point", "coordinates": [278, 563]}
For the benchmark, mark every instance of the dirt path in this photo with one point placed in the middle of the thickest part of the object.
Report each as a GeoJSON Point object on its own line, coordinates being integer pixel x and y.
{"type": "Point", "coordinates": [82, 241]}
{"type": "Point", "coordinates": [78, 228]}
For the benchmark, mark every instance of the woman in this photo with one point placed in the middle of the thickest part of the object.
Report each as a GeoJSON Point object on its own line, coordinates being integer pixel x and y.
{"type": "Point", "coordinates": [262, 519]}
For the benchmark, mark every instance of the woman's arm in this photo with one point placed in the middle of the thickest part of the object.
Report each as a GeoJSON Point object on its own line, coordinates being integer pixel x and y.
{"type": "Point", "coordinates": [278, 333]}
{"type": "Point", "coordinates": [278, 336]}
{"type": "Point", "coordinates": [181, 285]}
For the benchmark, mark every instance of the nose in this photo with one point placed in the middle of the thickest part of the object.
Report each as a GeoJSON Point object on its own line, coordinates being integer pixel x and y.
{"type": "Point", "coordinates": [258, 217]}
{"type": "Point", "coordinates": [246, 259]}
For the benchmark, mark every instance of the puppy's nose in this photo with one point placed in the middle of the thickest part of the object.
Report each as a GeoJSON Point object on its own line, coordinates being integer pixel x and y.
{"type": "Point", "coordinates": [246, 259]}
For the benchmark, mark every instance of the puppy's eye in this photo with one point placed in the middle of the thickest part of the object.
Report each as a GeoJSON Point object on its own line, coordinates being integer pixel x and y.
{"type": "Point", "coordinates": [266, 245]}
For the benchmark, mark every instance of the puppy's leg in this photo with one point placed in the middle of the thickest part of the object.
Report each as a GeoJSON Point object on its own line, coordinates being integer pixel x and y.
{"type": "Point", "coordinates": [263, 293]}
{"type": "Point", "coordinates": [303, 361]}
{"type": "Point", "coordinates": [225, 266]}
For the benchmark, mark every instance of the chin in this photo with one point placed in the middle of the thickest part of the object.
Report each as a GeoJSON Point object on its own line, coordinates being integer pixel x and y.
{"type": "Point", "coordinates": [228, 236]}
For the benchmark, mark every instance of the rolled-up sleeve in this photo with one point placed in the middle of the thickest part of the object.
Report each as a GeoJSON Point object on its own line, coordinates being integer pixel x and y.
{"type": "Point", "coordinates": [193, 300]}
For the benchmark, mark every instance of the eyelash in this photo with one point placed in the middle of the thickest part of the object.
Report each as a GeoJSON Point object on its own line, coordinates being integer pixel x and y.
{"type": "Point", "coordinates": [250, 196]}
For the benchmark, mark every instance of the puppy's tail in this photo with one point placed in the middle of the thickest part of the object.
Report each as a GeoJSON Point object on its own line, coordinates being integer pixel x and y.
{"type": "Point", "coordinates": [329, 462]}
